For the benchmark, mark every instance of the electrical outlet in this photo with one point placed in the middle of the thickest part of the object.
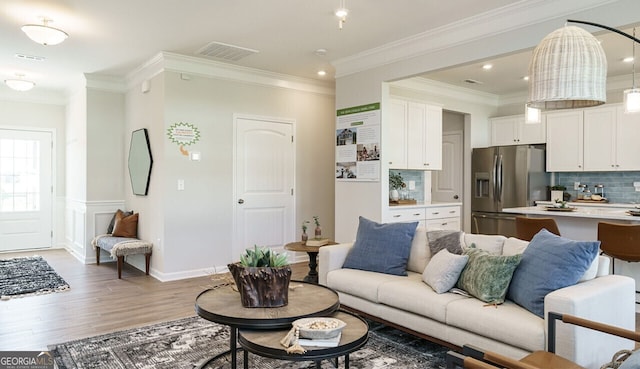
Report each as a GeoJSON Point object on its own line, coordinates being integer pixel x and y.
{"type": "Point", "coordinates": [412, 185]}
{"type": "Point", "coordinates": [576, 185]}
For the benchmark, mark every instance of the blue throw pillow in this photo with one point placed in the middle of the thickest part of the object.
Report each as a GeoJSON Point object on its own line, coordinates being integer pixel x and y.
{"type": "Point", "coordinates": [382, 248]}
{"type": "Point", "coordinates": [549, 263]}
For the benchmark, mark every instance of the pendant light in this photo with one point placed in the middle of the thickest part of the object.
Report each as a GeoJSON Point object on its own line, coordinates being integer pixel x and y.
{"type": "Point", "coordinates": [632, 95]}
{"type": "Point", "coordinates": [342, 13]}
{"type": "Point", "coordinates": [19, 83]}
{"type": "Point", "coordinates": [569, 70]}
{"type": "Point", "coordinates": [44, 34]}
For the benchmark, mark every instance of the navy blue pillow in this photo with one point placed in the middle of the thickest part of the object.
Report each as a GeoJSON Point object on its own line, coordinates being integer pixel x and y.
{"type": "Point", "coordinates": [549, 263]}
{"type": "Point", "coordinates": [382, 248]}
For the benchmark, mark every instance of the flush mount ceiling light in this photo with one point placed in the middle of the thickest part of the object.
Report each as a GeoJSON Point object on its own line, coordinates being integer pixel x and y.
{"type": "Point", "coordinates": [569, 70]}
{"type": "Point", "coordinates": [342, 13]}
{"type": "Point", "coordinates": [19, 83]}
{"type": "Point", "coordinates": [44, 34]}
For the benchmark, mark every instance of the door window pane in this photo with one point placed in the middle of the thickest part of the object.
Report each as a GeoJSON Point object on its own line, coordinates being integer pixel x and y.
{"type": "Point", "coordinates": [19, 175]}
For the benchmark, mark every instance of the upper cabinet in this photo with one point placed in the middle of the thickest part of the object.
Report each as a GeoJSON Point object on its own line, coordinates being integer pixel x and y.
{"type": "Point", "coordinates": [513, 130]}
{"type": "Point", "coordinates": [594, 139]}
{"type": "Point", "coordinates": [415, 136]}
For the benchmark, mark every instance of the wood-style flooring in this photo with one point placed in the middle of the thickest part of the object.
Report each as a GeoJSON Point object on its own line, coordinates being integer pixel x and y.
{"type": "Point", "coordinates": [97, 303]}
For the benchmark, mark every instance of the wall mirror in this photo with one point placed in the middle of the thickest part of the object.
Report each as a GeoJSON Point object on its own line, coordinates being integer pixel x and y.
{"type": "Point", "coordinates": [140, 162]}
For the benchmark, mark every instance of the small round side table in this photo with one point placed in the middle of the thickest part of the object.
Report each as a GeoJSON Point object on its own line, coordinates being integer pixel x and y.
{"type": "Point", "coordinates": [312, 251]}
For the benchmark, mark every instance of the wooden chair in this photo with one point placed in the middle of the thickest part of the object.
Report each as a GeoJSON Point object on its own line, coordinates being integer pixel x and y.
{"type": "Point", "coordinates": [620, 241]}
{"type": "Point", "coordinates": [526, 228]}
{"type": "Point", "coordinates": [474, 358]}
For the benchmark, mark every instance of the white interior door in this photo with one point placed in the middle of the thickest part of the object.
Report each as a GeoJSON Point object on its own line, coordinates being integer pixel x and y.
{"type": "Point", "coordinates": [25, 189]}
{"type": "Point", "coordinates": [264, 166]}
{"type": "Point", "coordinates": [446, 184]}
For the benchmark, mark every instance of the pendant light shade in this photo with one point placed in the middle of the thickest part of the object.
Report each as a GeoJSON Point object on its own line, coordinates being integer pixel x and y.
{"type": "Point", "coordinates": [568, 70]}
{"type": "Point", "coordinates": [632, 100]}
{"type": "Point", "coordinates": [43, 34]}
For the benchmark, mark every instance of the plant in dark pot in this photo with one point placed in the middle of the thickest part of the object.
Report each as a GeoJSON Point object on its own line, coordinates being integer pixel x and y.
{"type": "Point", "coordinates": [262, 277]}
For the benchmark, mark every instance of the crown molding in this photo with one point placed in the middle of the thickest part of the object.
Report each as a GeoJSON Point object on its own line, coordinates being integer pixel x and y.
{"type": "Point", "coordinates": [105, 82]}
{"type": "Point", "coordinates": [48, 97]}
{"type": "Point", "coordinates": [512, 17]}
{"type": "Point", "coordinates": [172, 62]}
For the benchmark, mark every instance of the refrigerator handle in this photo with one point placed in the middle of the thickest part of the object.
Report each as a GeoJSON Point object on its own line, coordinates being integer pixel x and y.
{"type": "Point", "coordinates": [495, 178]}
{"type": "Point", "coordinates": [499, 181]}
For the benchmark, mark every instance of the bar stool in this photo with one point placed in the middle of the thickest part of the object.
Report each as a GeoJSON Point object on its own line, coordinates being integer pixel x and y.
{"type": "Point", "coordinates": [620, 241]}
{"type": "Point", "coordinates": [526, 228]}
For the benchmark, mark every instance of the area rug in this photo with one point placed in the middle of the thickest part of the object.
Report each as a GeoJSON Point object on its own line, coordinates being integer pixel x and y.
{"type": "Point", "coordinates": [185, 343]}
{"type": "Point", "coordinates": [26, 276]}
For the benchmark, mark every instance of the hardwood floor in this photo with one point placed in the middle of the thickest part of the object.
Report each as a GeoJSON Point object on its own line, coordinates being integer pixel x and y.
{"type": "Point", "coordinates": [97, 302]}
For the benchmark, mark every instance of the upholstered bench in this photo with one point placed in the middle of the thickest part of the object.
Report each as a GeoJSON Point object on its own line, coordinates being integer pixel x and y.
{"type": "Point", "coordinates": [119, 247]}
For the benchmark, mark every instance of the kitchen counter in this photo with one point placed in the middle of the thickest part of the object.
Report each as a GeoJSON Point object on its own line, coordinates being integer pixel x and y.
{"type": "Point", "coordinates": [603, 212]}
{"type": "Point", "coordinates": [431, 205]}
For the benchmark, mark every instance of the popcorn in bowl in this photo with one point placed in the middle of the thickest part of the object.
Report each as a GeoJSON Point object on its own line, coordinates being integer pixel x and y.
{"type": "Point", "coordinates": [319, 328]}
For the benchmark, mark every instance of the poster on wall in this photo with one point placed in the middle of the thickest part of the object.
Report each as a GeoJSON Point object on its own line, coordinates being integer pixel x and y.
{"type": "Point", "coordinates": [358, 143]}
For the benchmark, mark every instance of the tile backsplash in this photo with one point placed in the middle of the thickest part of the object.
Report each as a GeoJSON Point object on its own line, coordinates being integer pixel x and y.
{"type": "Point", "coordinates": [419, 177]}
{"type": "Point", "coordinates": [618, 186]}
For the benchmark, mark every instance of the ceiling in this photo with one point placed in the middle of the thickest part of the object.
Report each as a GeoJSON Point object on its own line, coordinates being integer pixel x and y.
{"type": "Point", "coordinates": [115, 37]}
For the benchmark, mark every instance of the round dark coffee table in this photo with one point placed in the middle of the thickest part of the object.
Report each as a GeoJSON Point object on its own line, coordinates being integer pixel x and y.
{"type": "Point", "coordinates": [222, 305]}
{"type": "Point", "coordinates": [267, 343]}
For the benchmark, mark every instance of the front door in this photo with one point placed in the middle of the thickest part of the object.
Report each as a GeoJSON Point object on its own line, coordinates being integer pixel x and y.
{"type": "Point", "coordinates": [25, 189]}
{"type": "Point", "coordinates": [264, 183]}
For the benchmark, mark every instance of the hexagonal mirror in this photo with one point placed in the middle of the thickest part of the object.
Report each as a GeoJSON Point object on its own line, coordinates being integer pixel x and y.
{"type": "Point", "coordinates": [140, 162]}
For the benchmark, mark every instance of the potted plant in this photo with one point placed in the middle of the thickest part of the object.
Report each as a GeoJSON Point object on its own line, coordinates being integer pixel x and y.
{"type": "Point", "coordinates": [305, 237]}
{"type": "Point", "coordinates": [395, 183]}
{"type": "Point", "coordinates": [262, 277]}
{"type": "Point", "coordinates": [557, 192]}
{"type": "Point", "coordinates": [318, 230]}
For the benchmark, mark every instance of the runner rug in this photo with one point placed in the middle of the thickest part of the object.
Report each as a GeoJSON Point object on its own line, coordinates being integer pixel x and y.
{"type": "Point", "coordinates": [24, 276]}
{"type": "Point", "coordinates": [186, 343]}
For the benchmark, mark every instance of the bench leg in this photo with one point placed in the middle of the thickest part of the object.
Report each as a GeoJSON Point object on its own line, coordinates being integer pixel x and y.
{"type": "Point", "coordinates": [98, 255]}
{"type": "Point", "coordinates": [120, 262]}
{"type": "Point", "coordinates": [147, 260]}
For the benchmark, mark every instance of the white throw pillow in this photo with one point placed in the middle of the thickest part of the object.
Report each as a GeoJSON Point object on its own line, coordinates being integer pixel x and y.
{"type": "Point", "coordinates": [443, 270]}
{"type": "Point", "coordinates": [489, 243]}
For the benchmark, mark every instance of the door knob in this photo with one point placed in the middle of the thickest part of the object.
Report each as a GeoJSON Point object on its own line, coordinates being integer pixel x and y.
{"type": "Point", "coordinates": [240, 201]}
{"type": "Point", "coordinates": [456, 197]}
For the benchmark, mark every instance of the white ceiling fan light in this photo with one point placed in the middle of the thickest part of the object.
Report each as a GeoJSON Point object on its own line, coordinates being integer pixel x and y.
{"type": "Point", "coordinates": [44, 34]}
{"type": "Point", "coordinates": [19, 83]}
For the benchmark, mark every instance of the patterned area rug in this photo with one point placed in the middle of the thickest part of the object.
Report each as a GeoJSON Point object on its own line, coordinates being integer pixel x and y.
{"type": "Point", "coordinates": [185, 343]}
{"type": "Point", "coordinates": [28, 276]}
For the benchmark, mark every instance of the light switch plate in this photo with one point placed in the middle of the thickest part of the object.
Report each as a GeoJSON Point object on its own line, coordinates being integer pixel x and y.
{"type": "Point", "coordinates": [181, 185]}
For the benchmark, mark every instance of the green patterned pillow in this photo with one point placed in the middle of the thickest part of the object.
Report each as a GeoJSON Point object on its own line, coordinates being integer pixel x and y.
{"type": "Point", "coordinates": [487, 276]}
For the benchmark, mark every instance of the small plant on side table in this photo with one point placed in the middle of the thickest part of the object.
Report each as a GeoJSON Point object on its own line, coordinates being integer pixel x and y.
{"type": "Point", "coordinates": [318, 230]}
{"type": "Point", "coordinates": [305, 237]}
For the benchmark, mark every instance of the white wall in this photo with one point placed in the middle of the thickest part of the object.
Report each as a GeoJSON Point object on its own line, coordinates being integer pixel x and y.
{"type": "Point", "coordinates": [195, 235]}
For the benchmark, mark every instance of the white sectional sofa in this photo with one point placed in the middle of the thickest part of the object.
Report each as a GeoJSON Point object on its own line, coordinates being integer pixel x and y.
{"type": "Point", "coordinates": [509, 329]}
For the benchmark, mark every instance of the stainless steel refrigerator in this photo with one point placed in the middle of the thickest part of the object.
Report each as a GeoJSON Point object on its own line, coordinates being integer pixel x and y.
{"type": "Point", "coordinates": [505, 177]}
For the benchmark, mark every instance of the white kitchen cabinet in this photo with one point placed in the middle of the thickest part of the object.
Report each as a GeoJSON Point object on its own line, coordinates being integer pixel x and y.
{"type": "Point", "coordinates": [513, 130]}
{"type": "Point", "coordinates": [564, 141]}
{"type": "Point", "coordinates": [432, 216]}
{"type": "Point", "coordinates": [594, 139]}
{"type": "Point", "coordinates": [415, 136]}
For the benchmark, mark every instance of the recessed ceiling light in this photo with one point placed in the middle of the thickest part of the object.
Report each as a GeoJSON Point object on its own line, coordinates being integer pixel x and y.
{"type": "Point", "coordinates": [487, 66]}
{"type": "Point", "coordinates": [628, 59]}
{"type": "Point", "coordinates": [525, 78]}
{"type": "Point", "coordinates": [322, 73]}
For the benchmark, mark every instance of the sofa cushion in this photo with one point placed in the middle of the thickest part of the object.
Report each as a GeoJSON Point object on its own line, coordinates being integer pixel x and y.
{"type": "Point", "coordinates": [444, 239]}
{"type": "Point", "coordinates": [112, 223]}
{"type": "Point", "coordinates": [381, 248]}
{"type": "Point", "coordinates": [443, 271]}
{"type": "Point", "coordinates": [490, 243]}
{"type": "Point", "coordinates": [361, 283]}
{"type": "Point", "coordinates": [487, 276]}
{"type": "Point", "coordinates": [507, 323]}
{"type": "Point", "coordinates": [419, 255]}
{"type": "Point", "coordinates": [413, 295]}
{"type": "Point", "coordinates": [549, 262]}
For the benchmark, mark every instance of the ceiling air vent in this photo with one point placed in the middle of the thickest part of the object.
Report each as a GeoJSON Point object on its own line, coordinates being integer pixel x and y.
{"type": "Point", "coordinates": [472, 81]}
{"type": "Point", "coordinates": [219, 50]}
